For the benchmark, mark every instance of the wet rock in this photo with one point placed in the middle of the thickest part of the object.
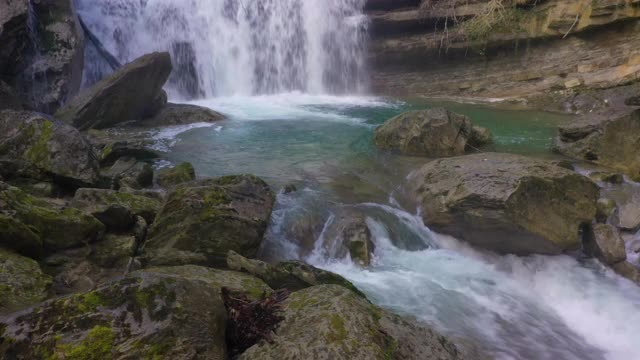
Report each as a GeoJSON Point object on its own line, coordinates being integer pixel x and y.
{"type": "Point", "coordinates": [22, 282]}
{"type": "Point", "coordinates": [129, 173]}
{"type": "Point", "coordinates": [117, 210]}
{"type": "Point", "coordinates": [332, 322]}
{"type": "Point", "coordinates": [38, 146]}
{"type": "Point", "coordinates": [58, 227]}
{"type": "Point", "coordinates": [179, 174]}
{"type": "Point", "coordinates": [627, 270]}
{"type": "Point", "coordinates": [289, 188]}
{"type": "Point", "coordinates": [604, 242]}
{"type": "Point", "coordinates": [480, 136]}
{"type": "Point", "coordinates": [290, 275]}
{"type": "Point", "coordinates": [181, 114]}
{"type": "Point", "coordinates": [201, 221]}
{"type": "Point", "coordinates": [628, 215]}
{"type": "Point", "coordinates": [605, 208]}
{"type": "Point", "coordinates": [147, 315]}
{"type": "Point", "coordinates": [505, 203]}
{"type": "Point", "coordinates": [136, 149]}
{"type": "Point", "coordinates": [605, 139]}
{"type": "Point", "coordinates": [348, 234]}
{"type": "Point", "coordinates": [126, 95]}
{"type": "Point", "coordinates": [434, 133]}
{"type": "Point", "coordinates": [43, 60]}
{"type": "Point", "coordinates": [607, 177]}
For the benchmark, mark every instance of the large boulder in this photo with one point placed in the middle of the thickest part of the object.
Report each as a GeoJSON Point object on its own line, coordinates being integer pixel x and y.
{"type": "Point", "coordinates": [129, 173]}
{"type": "Point", "coordinates": [35, 145]}
{"type": "Point", "coordinates": [605, 139]}
{"type": "Point", "coordinates": [201, 221]}
{"type": "Point", "coordinates": [506, 203]}
{"type": "Point", "coordinates": [42, 59]}
{"type": "Point", "coordinates": [117, 210]}
{"type": "Point", "coordinates": [180, 114]}
{"type": "Point", "coordinates": [147, 315]}
{"type": "Point", "coordinates": [58, 227]}
{"type": "Point", "coordinates": [332, 322]}
{"type": "Point", "coordinates": [130, 93]}
{"type": "Point", "coordinates": [19, 237]}
{"type": "Point", "coordinates": [22, 282]}
{"type": "Point", "coordinates": [434, 133]}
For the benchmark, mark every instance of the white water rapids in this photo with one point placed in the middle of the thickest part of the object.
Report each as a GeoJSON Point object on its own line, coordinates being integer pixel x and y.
{"type": "Point", "coordinates": [262, 61]}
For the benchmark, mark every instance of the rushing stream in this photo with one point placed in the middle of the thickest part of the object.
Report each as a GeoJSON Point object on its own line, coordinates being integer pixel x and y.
{"type": "Point", "coordinates": [266, 64]}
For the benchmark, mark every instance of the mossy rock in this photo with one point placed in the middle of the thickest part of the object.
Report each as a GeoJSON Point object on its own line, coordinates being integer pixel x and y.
{"type": "Point", "coordinates": [19, 237]}
{"type": "Point", "coordinates": [129, 173]}
{"type": "Point", "coordinates": [22, 282]}
{"type": "Point", "coordinates": [506, 203]}
{"type": "Point", "coordinates": [42, 147]}
{"type": "Point", "coordinates": [58, 227]}
{"type": "Point", "coordinates": [332, 322]}
{"type": "Point", "coordinates": [290, 275]}
{"type": "Point", "coordinates": [114, 250]}
{"type": "Point", "coordinates": [179, 174]}
{"type": "Point", "coordinates": [143, 316]}
{"type": "Point", "coordinates": [201, 221]}
{"type": "Point", "coordinates": [117, 210]}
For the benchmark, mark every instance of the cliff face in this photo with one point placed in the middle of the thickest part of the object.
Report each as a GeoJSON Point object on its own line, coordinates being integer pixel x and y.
{"type": "Point", "coordinates": [503, 48]}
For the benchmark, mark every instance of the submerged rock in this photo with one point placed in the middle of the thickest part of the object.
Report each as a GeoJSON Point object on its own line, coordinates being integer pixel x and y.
{"type": "Point", "coordinates": [201, 221]}
{"type": "Point", "coordinates": [506, 203]}
{"type": "Point", "coordinates": [39, 146]}
{"type": "Point", "coordinates": [332, 322]}
{"type": "Point", "coordinates": [604, 242]}
{"type": "Point", "coordinates": [130, 93]}
{"type": "Point", "coordinates": [22, 282]}
{"type": "Point", "coordinates": [434, 133]}
{"type": "Point", "coordinates": [181, 114]}
{"type": "Point", "coordinates": [179, 174]}
{"type": "Point", "coordinates": [117, 210]}
{"type": "Point", "coordinates": [58, 227]}
{"type": "Point", "coordinates": [609, 140]}
{"type": "Point", "coordinates": [290, 275]}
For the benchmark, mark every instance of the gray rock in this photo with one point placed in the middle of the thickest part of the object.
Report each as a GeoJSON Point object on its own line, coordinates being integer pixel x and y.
{"type": "Point", "coordinates": [605, 139]}
{"type": "Point", "coordinates": [46, 148]}
{"type": "Point", "coordinates": [332, 322]}
{"type": "Point", "coordinates": [129, 173]}
{"type": "Point", "coordinates": [44, 63]}
{"type": "Point", "coordinates": [146, 315]}
{"type": "Point", "coordinates": [201, 221]}
{"type": "Point", "coordinates": [628, 215]}
{"type": "Point", "coordinates": [22, 282]}
{"type": "Point", "coordinates": [433, 133]}
{"type": "Point", "coordinates": [604, 242]}
{"type": "Point", "coordinates": [180, 114]}
{"type": "Point", "coordinates": [627, 270]}
{"type": "Point", "coordinates": [505, 203]}
{"type": "Point", "coordinates": [130, 93]}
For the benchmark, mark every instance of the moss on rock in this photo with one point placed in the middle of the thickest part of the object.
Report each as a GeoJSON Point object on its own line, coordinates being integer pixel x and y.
{"type": "Point", "coordinates": [22, 282]}
{"type": "Point", "coordinates": [179, 174]}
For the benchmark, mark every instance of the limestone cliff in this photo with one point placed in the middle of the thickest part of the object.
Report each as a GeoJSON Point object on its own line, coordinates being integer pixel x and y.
{"type": "Point", "coordinates": [503, 48]}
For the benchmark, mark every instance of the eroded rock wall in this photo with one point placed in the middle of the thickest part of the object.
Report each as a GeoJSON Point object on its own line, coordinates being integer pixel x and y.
{"type": "Point", "coordinates": [530, 48]}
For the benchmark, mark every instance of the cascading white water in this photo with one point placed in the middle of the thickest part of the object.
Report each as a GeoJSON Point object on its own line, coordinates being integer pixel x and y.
{"type": "Point", "coordinates": [238, 47]}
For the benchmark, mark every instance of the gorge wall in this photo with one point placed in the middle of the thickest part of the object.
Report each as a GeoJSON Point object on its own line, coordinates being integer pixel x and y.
{"type": "Point", "coordinates": [502, 48]}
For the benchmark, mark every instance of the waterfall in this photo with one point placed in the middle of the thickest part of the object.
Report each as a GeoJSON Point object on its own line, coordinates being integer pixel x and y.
{"type": "Point", "coordinates": [237, 47]}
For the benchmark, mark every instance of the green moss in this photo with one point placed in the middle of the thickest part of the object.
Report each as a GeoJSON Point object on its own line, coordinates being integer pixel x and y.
{"type": "Point", "coordinates": [38, 153]}
{"type": "Point", "coordinates": [253, 288]}
{"type": "Point", "coordinates": [97, 345]}
{"type": "Point", "coordinates": [90, 301]}
{"type": "Point", "coordinates": [179, 174]}
{"type": "Point", "coordinates": [338, 331]}
{"type": "Point", "coordinates": [390, 348]}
